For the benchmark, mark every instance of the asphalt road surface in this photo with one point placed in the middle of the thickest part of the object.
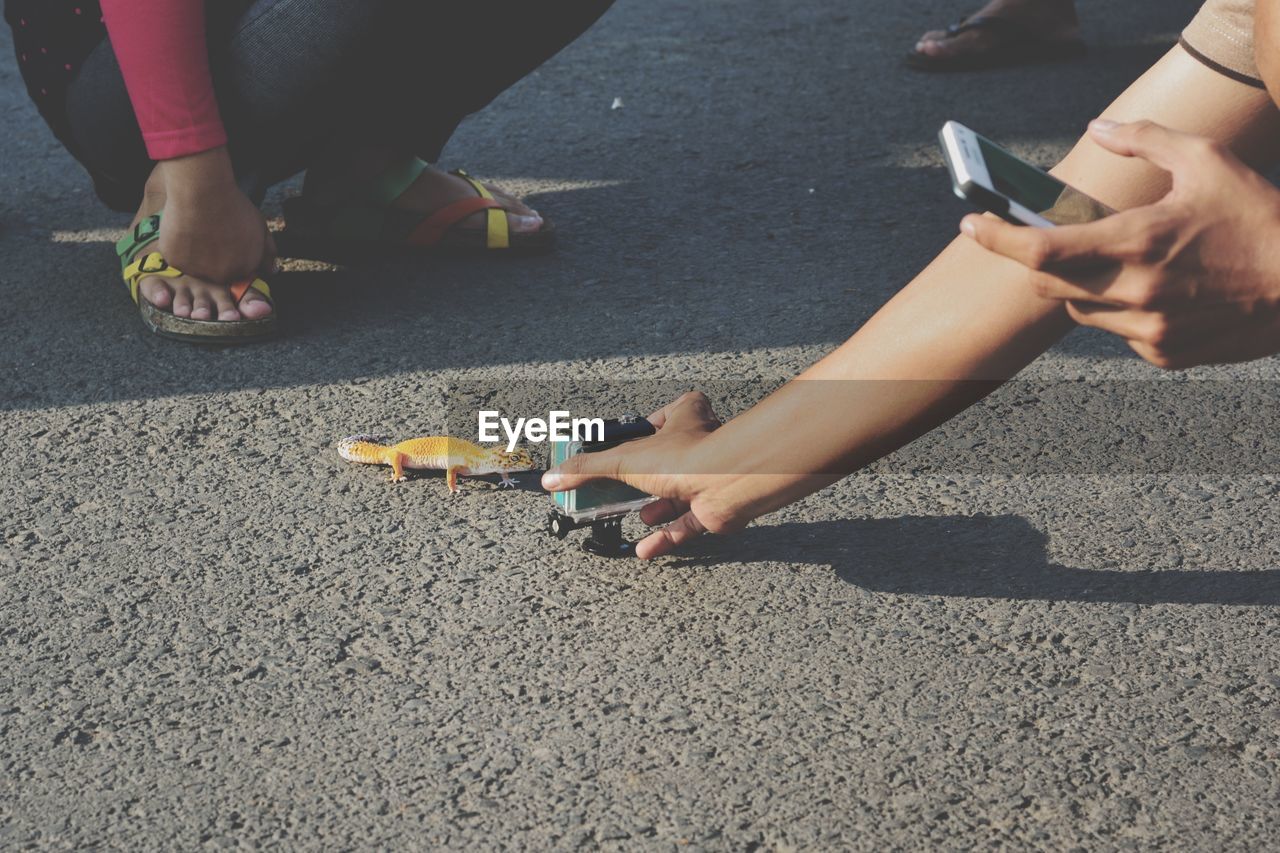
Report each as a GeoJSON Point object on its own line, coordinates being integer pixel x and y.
{"type": "Point", "coordinates": [214, 632]}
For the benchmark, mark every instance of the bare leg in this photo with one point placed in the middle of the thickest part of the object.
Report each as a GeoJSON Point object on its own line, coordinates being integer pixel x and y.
{"type": "Point", "coordinates": [969, 321]}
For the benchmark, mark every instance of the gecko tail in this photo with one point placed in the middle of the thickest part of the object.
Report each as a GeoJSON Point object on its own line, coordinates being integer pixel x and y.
{"type": "Point", "coordinates": [368, 449]}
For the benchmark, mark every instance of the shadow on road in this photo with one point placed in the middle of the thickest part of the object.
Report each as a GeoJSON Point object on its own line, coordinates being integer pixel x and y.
{"type": "Point", "coordinates": [1000, 557]}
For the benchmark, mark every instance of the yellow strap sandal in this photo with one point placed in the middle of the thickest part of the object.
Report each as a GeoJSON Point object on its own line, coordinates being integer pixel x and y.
{"type": "Point", "coordinates": [371, 225]}
{"type": "Point", "coordinates": [136, 264]}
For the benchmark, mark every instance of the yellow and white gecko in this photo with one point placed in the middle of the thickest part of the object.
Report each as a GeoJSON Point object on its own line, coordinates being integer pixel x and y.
{"type": "Point", "coordinates": [454, 456]}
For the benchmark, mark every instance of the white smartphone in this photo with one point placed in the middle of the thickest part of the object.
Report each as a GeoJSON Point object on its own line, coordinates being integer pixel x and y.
{"type": "Point", "coordinates": [996, 181]}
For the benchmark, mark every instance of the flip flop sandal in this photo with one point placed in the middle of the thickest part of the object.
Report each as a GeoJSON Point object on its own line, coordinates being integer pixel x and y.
{"type": "Point", "coordinates": [136, 264]}
{"type": "Point", "coordinates": [372, 225]}
{"type": "Point", "coordinates": [1015, 45]}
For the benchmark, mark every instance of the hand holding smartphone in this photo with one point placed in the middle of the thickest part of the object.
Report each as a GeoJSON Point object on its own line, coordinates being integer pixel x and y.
{"type": "Point", "coordinates": [996, 181]}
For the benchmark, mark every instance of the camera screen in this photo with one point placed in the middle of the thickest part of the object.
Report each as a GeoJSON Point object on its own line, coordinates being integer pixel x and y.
{"type": "Point", "coordinates": [598, 495]}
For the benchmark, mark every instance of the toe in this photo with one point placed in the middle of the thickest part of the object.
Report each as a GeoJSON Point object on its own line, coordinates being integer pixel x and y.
{"type": "Point", "coordinates": [254, 305]}
{"type": "Point", "coordinates": [523, 218]}
{"type": "Point", "coordinates": [971, 43]}
{"type": "Point", "coordinates": [517, 223]}
{"type": "Point", "coordinates": [225, 305]}
{"type": "Point", "coordinates": [181, 300]}
{"type": "Point", "coordinates": [202, 307]}
{"type": "Point", "coordinates": [154, 290]}
{"type": "Point", "coordinates": [525, 224]}
{"type": "Point", "coordinates": [510, 202]}
{"type": "Point", "coordinates": [950, 47]}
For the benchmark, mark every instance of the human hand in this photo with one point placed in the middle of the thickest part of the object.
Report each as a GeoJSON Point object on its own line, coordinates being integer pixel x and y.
{"type": "Point", "coordinates": [1192, 279]}
{"type": "Point", "coordinates": [690, 501]}
{"type": "Point", "coordinates": [211, 230]}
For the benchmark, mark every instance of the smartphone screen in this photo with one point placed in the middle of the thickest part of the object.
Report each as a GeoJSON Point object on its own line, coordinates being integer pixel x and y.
{"type": "Point", "coordinates": [1037, 190]}
{"type": "Point", "coordinates": [1002, 183]}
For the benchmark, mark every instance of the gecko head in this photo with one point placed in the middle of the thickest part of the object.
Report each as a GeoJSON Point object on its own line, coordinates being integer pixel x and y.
{"type": "Point", "coordinates": [361, 439]}
{"type": "Point", "coordinates": [515, 460]}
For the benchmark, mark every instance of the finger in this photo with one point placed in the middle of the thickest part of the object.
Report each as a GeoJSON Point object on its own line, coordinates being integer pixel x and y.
{"type": "Point", "coordinates": [690, 401]}
{"type": "Point", "coordinates": [584, 468]}
{"type": "Point", "coordinates": [1215, 336]}
{"type": "Point", "coordinates": [1103, 241]}
{"type": "Point", "coordinates": [1132, 324]}
{"type": "Point", "coordinates": [1198, 335]}
{"type": "Point", "coordinates": [1168, 341]}
{"type": "Point", "coordinates": [1167, 149]}
{"type": "Point", "coordinates": [1082, 287]}
{"type": "Point", "coordinates": [1218, 350]}
{"type": "Point", "coordinates": [659, 418]}
{"type": "Point", "coordinates": [1159, 358]}
{"type": "Point", "coordinates": [662, 511]}
{"type": "Point", "coordinates": [669, 538]}
{"type": "Point", "coordinates": [693, 409]}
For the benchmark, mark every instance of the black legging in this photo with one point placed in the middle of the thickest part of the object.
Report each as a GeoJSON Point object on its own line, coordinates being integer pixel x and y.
{"type": "Point", "coordinates": [295, 78]}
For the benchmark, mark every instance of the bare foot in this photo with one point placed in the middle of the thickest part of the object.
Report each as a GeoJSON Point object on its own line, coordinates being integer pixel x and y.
{"type": "Point", "coordinates": [1051, 19]}
{"type": "Point", "coordinates": [433, 190]}
{"type": "Point", "coordinates": [185, 295]}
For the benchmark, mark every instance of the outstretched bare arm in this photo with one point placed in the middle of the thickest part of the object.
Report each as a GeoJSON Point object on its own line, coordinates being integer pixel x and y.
{"type": "Point", "coordinates": [968, 322]}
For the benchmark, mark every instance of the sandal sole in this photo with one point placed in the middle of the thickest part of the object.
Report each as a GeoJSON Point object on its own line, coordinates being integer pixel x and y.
{"type": "Point", "coordinates": [226, 332]}
{"type": "Point", "coordinates": [295, 244]}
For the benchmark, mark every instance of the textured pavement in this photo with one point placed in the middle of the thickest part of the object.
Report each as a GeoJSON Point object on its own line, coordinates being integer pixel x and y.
{"type": "Point", "coordinates": [214, 632]}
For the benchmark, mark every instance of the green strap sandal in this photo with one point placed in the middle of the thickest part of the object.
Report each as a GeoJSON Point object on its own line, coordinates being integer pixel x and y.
{"type": "Point", "coordinates": [371, 225]}
{"type": "Point", "coordinates": [136, 263]}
